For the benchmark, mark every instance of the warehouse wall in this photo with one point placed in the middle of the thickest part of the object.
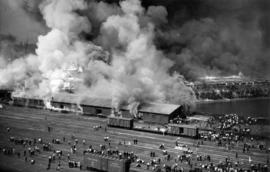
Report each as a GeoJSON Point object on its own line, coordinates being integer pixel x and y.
{"type": "Point", "coordinates": [63, 105]}
{"type": "Point", "coordinates": [126, 114]}
{"type": "Point", "coordinates": [35, 103]}
{"type": "Point", "coordinates": [91, 110]}
{"type": "Point", "coordinates": [155, 118]}
{"type": "Point", "coordinates": [178, 112]}
{"type": "Point", "coordinates": [19, 101]}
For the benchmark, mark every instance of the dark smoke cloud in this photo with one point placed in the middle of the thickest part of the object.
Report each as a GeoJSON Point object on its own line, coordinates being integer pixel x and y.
{"type": "Point", "coordinates": [218, 37]}
{"type": "Point", "coordinates": [10, 49]}
{"type": "Point", "coordinates": [20, 18]}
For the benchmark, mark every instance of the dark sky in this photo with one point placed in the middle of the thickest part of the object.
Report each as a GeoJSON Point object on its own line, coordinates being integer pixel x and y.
{"type": "Point", "coordinates": [22, 18]}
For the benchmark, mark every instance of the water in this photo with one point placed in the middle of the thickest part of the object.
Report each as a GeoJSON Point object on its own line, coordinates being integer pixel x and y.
{"type": "Point", "coordinates": [258, 107]}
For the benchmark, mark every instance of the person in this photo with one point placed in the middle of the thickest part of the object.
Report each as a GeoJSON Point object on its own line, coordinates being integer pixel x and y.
{"type": "Point", "coordinates": [148, 165]}
{"type": "Point", "coordinates": [249, 159]}
{"type": "Point", "coordinates": [50, 159]}
{"type": "Point", "coordinates": [49, 166]}
{"type": "Point", "coordinates": [32, 161]}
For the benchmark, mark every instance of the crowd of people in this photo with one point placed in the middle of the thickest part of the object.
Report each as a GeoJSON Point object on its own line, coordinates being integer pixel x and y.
{"type": "Point", "coordinates": [161, 160]}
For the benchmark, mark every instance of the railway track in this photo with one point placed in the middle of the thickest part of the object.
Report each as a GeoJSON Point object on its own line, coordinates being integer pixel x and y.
{"type": "Point", "coordinates": [26, 122]}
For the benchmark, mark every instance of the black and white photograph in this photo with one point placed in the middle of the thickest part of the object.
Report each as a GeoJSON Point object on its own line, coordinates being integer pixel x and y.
{"type": "Point", "coordinates": [135, 85]}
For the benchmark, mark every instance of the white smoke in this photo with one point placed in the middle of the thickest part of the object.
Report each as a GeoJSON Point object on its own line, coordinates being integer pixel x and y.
{"type": "Point", "coordinates": [134, 71]}
{"type": "Point", "coordinates": [140, 71]}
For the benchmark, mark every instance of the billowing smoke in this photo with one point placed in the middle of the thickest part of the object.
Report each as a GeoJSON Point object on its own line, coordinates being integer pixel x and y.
{"type": "Point", "coordinates": [122, 63]}
{"type": "Point", "coordinates": [201, 37]}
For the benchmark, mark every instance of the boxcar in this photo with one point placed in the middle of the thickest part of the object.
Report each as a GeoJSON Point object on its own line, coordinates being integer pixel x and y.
{"type": "Point", "coordinates": [97, 162]}
{"type": "Point", "coordinates": [120, 122]}
{"type": "Point", "coordinates": [183, 130]}
{"type": "Point", "coordinates": [92, 162]}
{"type": "Point", "coordinates": [119, 165]}
{"type": "Point", "coordinates": [104, 163]}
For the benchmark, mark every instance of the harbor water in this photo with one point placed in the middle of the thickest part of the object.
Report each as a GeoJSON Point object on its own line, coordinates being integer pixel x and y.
{"type": "Point", "coordinates": [256, 107]}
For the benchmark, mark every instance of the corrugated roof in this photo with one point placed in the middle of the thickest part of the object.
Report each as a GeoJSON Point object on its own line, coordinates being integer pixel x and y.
{"type": "Point", "coordinates": [82, 100]}
{"type": "Point", "coordinates": [156, 108]}
{"type": "Point", "coordinates": [99, 102]}
{"type": "Point", "coordinates": [65, 98]}
{"type": "Point", "coordinates": [26, 97]}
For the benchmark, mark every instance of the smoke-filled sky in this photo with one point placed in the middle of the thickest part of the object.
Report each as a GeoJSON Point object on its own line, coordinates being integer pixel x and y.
{"type": "Point", "coordinates": [132, 51]}
{"type": "Point", "coordinates": [202, 37]}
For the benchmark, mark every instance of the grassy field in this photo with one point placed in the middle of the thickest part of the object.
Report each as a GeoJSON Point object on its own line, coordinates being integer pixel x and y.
{"type": "Point", "coordinates": [34, 123]}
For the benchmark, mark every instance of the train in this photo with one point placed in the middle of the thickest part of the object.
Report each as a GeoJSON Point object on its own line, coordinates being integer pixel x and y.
{"type": "Point", "coordinates": [172, 129]}
{"type": "Point", "coordinates": [102, 163]}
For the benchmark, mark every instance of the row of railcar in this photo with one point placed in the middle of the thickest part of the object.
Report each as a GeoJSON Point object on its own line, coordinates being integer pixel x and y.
{"type": "Point", "coordinates": [120, 122]}
{"type": "Point", "coordinates": [28, 102]}
{"type": "Point", "coordinates": [172, 129]}
{"type": "Point", "coordinates": [97, 162]}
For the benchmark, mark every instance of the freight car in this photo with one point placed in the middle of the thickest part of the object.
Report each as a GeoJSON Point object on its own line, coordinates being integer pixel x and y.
{"type": "Point", "coordinates": [102, 163]}
{"type": "Point", "coordinates": [120, 122]}
{"type": "Point", "coordinates": [28, 102]}
{"type": "Point", "coordinates": [183, 130]}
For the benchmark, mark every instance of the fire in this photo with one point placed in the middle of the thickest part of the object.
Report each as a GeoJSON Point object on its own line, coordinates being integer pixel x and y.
{"type": "Point", "coordinates": [126, 66]}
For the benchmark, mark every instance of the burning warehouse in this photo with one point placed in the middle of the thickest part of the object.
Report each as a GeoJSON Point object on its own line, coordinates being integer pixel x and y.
{"type": "Point", "coordinates": [148, 112]}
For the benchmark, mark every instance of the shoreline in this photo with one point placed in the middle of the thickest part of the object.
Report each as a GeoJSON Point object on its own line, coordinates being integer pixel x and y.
{"type": "Point", "coordinates": [204, 101]}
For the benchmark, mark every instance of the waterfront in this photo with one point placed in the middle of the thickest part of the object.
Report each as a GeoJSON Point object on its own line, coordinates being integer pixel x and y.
{"type": "Point", "coordinates": [257, 107]}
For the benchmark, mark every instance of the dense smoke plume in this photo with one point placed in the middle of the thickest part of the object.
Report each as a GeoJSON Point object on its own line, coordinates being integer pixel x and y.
{"type": "Point", "coordinates": [133, 52]}
{"type": "Point", "coordinates": [120, 63]}
{"type": "Point", "coordinates": [201, 37]}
